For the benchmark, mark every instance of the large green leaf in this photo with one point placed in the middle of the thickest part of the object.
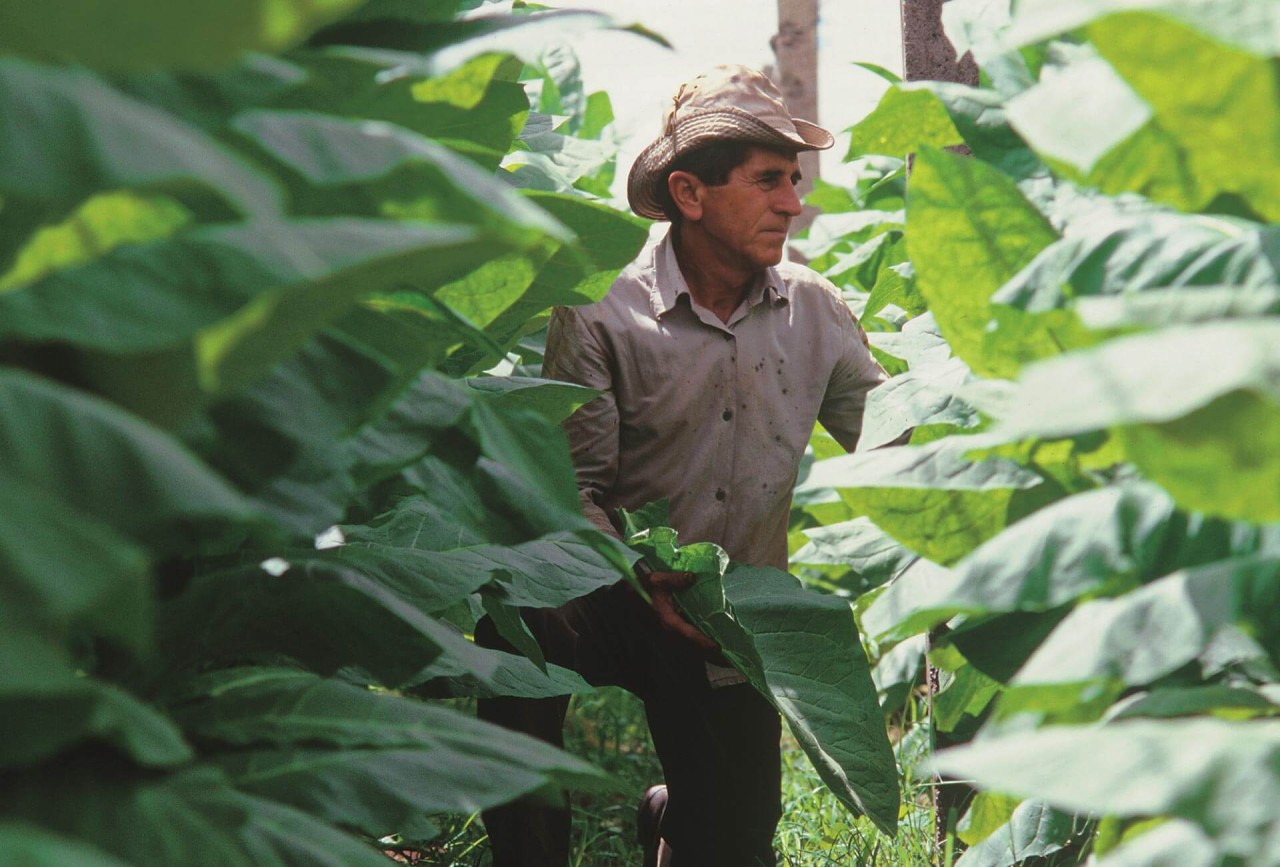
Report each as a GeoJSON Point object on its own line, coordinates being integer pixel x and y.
{"type": "Point", "coordinates": [969, 230]}
{"type": "Point", "coordinates": [1227, 784]}
{"type": "Point", "coordinates": [526, 462]}
{"type": "Point", "coordinates": [906, 117]}
{"type": "Point", "coordinates": [543, 573]}
{"type": "Point", "coordinates": [609, 239]}
{"type": "Point", "coordinates": [965, 697]}
{"type": "Point", "coordinates": [427, 181]}
{"type": "Point", "coordinates": [512, 675]}
{"type": "Point", "coordinates": [1162, 307]}
{"type": "Point", "coordinates": [414, 30]}
{"type": "Point", "coordinates": [99, 225]}
{"type": "Point", "coordinates": [65, 135]}
{"type": "Point", "coordinates": [1112, 250]}
{"type": "Point", "coordinates": [301, 739]}
{"type": "Point", "coordinates": [1033, 830]}
{"type": "Point", "coordinates": [136, 298]}
{"type": "Point", "coordinates": [476, 110]}
{"type": "Point", "coordinates": [932, 498]}
{"type": "Point", "coordinates": [1112, 141]}
{"type": "Point", "coordinates": [1175, 841]}
{"type": "Point", "coordinates": [1104, 541]}
{"type": "Point", "coordinates": [1075, 546]}
{"type": "Point", "coordinates": [1168, 702]}
{"type": "Point", "coordinates": [1249, 24]}
{"type": "Point", "coordinates": [1196, 428]}
{"type": "Point", "coordinates": [800, 650]}
{"type": "Point", "coordinates": [552, 399]}
{"type": "Point", "coordinates": [1078, 132]}
{"type": "Point", "coordinates": [65, 569]}
{"type": "Point", "coordinates": [817, 672]}
{"type": "Point", "coordinates": [858, 544]}
{"type": "Point", "coordinates": [1154, 630]}
{"type": "Point", "coordinates": [924, 395]}
{"type": "Point", "coordinates": [151, 34]}
{"type": "Point", "coordinates": [32, 661]}
{"type": "Point", "coordinates": [189, 817]}
{"type": "Point", "coordinates": [1223, 99]}
{"type": "Point", "coordinates": [38, 726]}
{"type": "Point", "coordinates": [362, 257]}
{"type": "Point", "coordinates": [22, 843]}
{"type": "Point", "coordinates": [551, 161]}
{"type": "Point", "coordinates": [919, 343]}
{"type": "Point", "coordinates": [98, 457]}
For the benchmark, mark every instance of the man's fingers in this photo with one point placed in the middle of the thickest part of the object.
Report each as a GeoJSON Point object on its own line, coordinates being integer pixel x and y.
{"type": "Point", "coordinates": [671, 580]}
{"type": "Point", "coordinates": [669, 618]}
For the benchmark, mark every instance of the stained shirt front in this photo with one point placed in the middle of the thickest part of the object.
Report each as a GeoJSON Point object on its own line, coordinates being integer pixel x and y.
{"type": "Point", "coordinates": [712, 416]}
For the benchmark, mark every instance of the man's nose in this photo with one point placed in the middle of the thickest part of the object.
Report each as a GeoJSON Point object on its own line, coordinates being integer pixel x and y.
{"type": "Point", "coordinates": [788, 201]}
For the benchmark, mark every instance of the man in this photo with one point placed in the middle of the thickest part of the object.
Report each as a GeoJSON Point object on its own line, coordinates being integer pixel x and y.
{"type": "Point", "coordinates": [714, 361]}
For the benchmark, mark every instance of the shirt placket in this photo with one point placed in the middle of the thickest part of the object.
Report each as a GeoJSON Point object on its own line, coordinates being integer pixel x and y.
{"type": "Point", "coordinates": [723, 415]}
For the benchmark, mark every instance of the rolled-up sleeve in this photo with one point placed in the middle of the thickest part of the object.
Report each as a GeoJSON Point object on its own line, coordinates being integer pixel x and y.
{"type": "Point", "coordinates": [855, 374]}
{"type": "Point", "coordinates": [575, 355]}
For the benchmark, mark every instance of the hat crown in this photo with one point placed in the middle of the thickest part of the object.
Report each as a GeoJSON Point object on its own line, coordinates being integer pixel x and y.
{"type": "Point", "coordinates": [732, 88]}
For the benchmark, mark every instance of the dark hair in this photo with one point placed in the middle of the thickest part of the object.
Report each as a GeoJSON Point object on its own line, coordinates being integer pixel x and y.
{"type": "Point", "coordinates": [710, 164]}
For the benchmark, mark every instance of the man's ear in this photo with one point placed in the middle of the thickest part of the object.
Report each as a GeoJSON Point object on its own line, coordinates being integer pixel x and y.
{"type": "Point", "coordinates": [686, 192]}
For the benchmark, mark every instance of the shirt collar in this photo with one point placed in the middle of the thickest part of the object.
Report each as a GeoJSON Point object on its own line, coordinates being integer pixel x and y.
{"type": "Point", "coordinates": [669, 282]}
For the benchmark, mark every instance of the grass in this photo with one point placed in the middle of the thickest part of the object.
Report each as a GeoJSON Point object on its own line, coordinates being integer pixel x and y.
{"type": "Point", "coordinates": [607, 727]}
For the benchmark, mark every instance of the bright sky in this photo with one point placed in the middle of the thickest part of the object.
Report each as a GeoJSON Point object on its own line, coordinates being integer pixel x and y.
{"type": "Point", "coordinates": [641, 76]}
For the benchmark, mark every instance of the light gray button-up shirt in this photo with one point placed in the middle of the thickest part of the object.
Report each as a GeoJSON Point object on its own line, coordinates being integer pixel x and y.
{"type": "Point", "coordinates": [712, 416]}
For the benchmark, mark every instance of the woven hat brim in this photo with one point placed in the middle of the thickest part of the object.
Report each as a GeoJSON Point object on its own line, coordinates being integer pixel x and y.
{"type": "Point", "coordinates": [725, 124]}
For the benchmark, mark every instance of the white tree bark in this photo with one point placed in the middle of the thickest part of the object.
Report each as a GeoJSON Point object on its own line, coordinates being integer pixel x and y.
{"type": "Point", "coordinates": [796, 48]}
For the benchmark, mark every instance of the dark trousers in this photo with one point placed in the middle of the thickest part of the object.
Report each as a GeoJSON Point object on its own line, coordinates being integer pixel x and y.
{"type": "Point", "coordinates": [718, 747]}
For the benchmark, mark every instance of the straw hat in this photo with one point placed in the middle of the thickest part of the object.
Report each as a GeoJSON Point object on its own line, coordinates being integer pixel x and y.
{"type": "Point", "coordinates": [728, 103]}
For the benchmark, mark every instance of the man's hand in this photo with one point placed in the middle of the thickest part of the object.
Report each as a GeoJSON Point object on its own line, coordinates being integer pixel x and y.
{"type": "Point", "coordinates": [661, 586]}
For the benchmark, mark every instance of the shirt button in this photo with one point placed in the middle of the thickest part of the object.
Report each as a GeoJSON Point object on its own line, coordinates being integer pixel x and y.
{"type": "Point", "coordinates": [727, 414]}
{"type": "Point", "coordinates": [720, 494]}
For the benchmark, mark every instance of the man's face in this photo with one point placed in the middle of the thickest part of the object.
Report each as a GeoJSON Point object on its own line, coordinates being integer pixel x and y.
{"type": "Point", "coordinates": [747, 218]}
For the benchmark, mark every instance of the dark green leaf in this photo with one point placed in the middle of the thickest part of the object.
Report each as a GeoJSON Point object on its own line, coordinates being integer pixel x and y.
{"type": "Point", "coordinates": [148, 34]}
{"type": "Point", "coordinates": [401, 757]}
{"type": "Point", "coordinates": [322, 615]}
{"type": "Point", "coordinates": [189, 817]}
{"type": "Point", "coordinates": [800, 650]}
{"type": "Point", "coordinates": [97, 457]}
{"type": "Point", "coordinates": [818, 675]}
{"type": "Point", "coordinates": [21, 843]}
{"type": "Point", "coordinates": [513, 675]}
{"type": "Point", "coordinates": [554, 400]}
{"type": "Point", "coordinates": [66, 569]}
{"type": "Point", "coordinates": [506, 619]}
{"type": "Point", "coordinates": [38, 726]}
{"type": "Point", "coordinates": [71, 120]}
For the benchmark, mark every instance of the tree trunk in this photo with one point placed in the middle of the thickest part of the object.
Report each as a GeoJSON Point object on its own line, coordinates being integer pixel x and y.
{"type": "Point", "coordinates": [796, 48]}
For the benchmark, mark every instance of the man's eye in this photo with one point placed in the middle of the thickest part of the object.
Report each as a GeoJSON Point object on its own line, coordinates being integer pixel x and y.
{"type": "Point", "coordinates": [769, 183]}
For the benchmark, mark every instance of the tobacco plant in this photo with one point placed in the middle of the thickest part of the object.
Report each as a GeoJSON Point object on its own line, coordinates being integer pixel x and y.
{"type": "Point", "coordinates": [1080, 313]}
